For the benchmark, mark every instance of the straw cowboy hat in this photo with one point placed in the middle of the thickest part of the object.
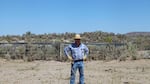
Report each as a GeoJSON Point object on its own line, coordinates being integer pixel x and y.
{"type": "Point", "coordinates": [77, 36]}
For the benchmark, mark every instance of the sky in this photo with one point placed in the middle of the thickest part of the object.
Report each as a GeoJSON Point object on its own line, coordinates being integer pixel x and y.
{"type": "Point", "coordinates": [77, 16]}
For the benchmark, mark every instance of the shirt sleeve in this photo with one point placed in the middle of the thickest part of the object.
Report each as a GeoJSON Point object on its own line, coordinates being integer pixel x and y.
{"type": "Point", "coordinates": [66, 50]}
{"type": "Point", "coordinates": [86, 50]}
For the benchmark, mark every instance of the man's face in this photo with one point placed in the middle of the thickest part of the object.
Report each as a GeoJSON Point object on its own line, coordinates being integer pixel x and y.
{"type": "Point", "coordinates": [77, 41]}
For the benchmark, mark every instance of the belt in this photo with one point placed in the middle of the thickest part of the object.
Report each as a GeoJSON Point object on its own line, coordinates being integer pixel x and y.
{"type": "Point", "coordinates": [80, 60]}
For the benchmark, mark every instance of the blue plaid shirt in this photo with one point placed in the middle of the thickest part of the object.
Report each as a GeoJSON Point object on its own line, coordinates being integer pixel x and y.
{"type": "Point", "coordinates": [76, 52]}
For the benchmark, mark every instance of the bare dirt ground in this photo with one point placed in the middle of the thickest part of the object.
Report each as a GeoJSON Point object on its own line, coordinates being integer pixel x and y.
{"type": "Point", "coordinates": [53, 72]}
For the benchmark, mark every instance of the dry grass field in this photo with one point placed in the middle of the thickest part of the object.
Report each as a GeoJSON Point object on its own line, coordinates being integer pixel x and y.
{"type": "Point", "coordinates": [53, 72]}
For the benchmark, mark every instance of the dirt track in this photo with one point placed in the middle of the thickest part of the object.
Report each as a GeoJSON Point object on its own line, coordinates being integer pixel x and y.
{"type": "Point", "coordinates": [96, 72]}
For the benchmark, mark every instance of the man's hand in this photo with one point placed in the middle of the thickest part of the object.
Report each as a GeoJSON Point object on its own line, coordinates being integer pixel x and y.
{"type": "Point", "coordinates": [84, 57]}
{"type": "Point", "coordinates": [70, 58]}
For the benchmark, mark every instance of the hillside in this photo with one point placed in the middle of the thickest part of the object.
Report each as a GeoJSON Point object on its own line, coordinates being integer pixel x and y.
{"type": "Point", "coordinates": [97, 36]}
{"type": "Point", "coordinates": [141, 39]}
{"type": "Point", "coordinates": [138, 34]}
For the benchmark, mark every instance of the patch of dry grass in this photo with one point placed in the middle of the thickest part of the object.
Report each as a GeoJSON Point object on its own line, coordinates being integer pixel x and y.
{"type": "Point", "coordinates": [53, 72]}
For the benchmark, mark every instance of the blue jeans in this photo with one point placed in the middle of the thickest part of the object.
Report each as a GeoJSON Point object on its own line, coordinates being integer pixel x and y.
{"type": "Point", "coordinates": [80, 67]}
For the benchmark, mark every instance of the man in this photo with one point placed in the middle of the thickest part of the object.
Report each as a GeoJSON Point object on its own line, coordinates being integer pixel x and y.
{"type": "Point", "coordinates": [79, 53]}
